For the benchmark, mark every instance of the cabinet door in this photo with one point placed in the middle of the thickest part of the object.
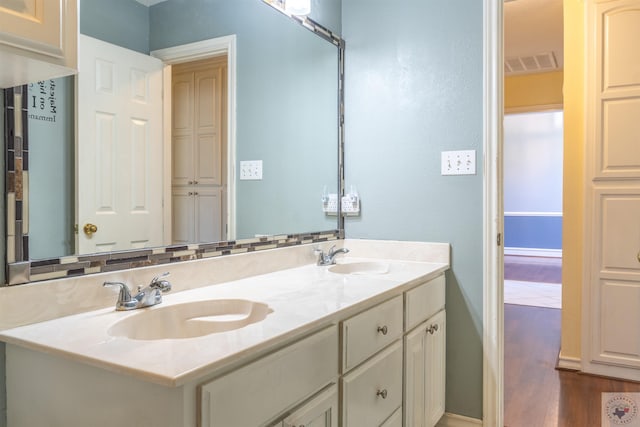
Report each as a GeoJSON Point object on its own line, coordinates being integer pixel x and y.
{"type": "Point", "coordinates": [182, 205]}
{"type": "Point", "coordinates": [321, 411]}
{"type": "Point", "coordinates": [425, 373]}
{"type": "Point", "coordinates": [38, 40]}
{"type": "Point", "coordinates": [208, 214]}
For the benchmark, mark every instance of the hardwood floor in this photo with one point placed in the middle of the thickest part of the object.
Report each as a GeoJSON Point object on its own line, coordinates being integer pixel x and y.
{"type": "Point", "coordinates": [533, 269]}
{"type": "Point", "coordinates": [538, 395]}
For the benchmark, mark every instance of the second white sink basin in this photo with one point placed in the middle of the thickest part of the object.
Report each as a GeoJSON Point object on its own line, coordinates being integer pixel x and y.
{"type": "Point", "coordinates": [191, 319]}
{"type": "Point", "coordinates": [366, 267]}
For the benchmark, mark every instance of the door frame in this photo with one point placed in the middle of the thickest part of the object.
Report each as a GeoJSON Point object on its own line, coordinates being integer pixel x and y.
{"type": "Point", "coordinates": [493, 228]}
{"type": "Point", "coordinates": [188, 53]}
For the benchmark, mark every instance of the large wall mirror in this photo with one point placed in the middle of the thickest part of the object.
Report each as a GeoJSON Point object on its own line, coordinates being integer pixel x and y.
{"type": "Point", "coordinates": [236, 155]}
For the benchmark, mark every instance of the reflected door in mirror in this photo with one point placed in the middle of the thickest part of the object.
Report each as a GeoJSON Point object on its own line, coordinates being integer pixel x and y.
{"type": "Point", "coordinates": [119, 148]}
{"type": "Point", "coordinates": [199, 150]}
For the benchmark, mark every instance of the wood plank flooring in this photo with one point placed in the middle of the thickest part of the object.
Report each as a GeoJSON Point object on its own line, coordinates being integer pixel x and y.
{"type": "Point", "coordinates": [533, 269]}
{"type": "Point", "coordinates": [538, 395]}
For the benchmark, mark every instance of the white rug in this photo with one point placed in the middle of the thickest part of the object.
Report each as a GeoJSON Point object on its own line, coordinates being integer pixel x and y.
{"type": "Point", "coordinates": [533, 294]}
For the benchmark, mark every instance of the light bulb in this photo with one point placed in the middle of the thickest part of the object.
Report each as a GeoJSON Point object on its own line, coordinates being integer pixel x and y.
{"type": "Point", "coordinates": [298, 7]}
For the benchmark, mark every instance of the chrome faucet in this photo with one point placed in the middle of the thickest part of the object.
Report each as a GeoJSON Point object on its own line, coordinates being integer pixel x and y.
{"type": "Point", "coordinates": [146, 297]}
{"type": "Point", "coordinates": [329, 257]}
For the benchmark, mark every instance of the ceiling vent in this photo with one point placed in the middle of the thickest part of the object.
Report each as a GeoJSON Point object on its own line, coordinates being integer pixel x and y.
{"type": "Point", "coordinates": [531, 64]}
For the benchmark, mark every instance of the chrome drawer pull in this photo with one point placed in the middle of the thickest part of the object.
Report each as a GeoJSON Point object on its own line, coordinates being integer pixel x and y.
{"type": "Point", "coordinates": [382, 393]}
{"type": "Point", "coordinates": [383, 330]}
{"type": "Point", "coordinates": [432, 329]}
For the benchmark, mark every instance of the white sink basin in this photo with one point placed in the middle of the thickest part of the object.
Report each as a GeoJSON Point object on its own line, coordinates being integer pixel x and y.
{"type": "Point", "coordinates": [189, 320]}
{"type": "Point", "coordinates": [367, 267]}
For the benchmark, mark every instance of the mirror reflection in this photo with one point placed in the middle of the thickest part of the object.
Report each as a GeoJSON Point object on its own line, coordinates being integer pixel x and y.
{"type": "Point", "coordinates": [245, 146]}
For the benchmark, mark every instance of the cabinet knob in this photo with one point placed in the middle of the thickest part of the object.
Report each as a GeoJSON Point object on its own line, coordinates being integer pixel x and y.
{"type": "Point", "coordinates": [196, 183]}
{"type": "Point", "coordinates": [432, 329]}
{"type": "Point", "coordinates": [383, 330]}
{"type": "Point", "coordinates": [382, 393]}
{"type": "Point", "coordinates": [638, 256]}
{"type": "Point", "coordinates": [190, 193]}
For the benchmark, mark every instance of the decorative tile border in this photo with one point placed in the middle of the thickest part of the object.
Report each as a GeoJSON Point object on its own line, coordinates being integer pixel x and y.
{"type": "Point", "coordinates": [78, 265]}
{"type": "Point", "coordinates": [17, 175]}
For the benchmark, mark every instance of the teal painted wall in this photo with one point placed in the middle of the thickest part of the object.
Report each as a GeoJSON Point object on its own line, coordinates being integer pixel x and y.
{"type": "Point", "coordinates": [414, 89]}
{"type": "Point", "coordinates": [121, 22]}
{"type": "Point", "coordinates": [282, 117]}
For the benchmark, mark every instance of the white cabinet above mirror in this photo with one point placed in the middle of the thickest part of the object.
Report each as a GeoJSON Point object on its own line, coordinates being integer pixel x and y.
{"type": "Point", "coordinates": [37, 40]}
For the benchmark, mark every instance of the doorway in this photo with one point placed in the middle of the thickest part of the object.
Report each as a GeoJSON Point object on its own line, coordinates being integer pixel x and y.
{"type": "Point", "coordinates": [533, 159]}
{"type": "Point", "coordinates": [191, 53]}
{"type": "Point", "coordinates": [199, 150]}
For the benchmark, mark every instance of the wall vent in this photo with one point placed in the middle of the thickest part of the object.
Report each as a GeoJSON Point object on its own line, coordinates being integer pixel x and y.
{"type": "Point", "coordinates": [531, 64]}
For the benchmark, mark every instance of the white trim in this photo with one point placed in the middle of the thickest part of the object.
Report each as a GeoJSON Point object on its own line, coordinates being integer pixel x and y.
{"type": "Point", "coordinates": [493, 209]}
{"type": "Point", "coordinates": [201, 50]}
{"type": "Point", "coordinates": [571, 363]}
{"type": "Point", "coordinates": [453, 420]}
{"type": "Point", "coordinates": [548, 253]}
{"type": "Point", "coordinates": [534, 108]}
{"type": "Point", "coordinates": [533, 214]}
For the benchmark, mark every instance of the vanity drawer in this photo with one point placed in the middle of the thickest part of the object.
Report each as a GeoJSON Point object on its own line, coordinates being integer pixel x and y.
{"type": "Point", "coordinates": [263, 389]}
{"type": "Point", "coordinates": [424, 301]}
{"type": "Point", "coordinates": [368, 332]}
{"type": "Point", "coordinates": [373, 391]}
{"type": "Point", "coordinates": [394, 420]}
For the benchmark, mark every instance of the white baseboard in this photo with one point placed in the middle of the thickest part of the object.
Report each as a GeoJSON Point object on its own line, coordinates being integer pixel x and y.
{"type": "Point", "coordinates": [550, 253]}
{"type": "Point", "coordinates": [570, 363]}
{"type": "Point", "coordinates": [453, 420]}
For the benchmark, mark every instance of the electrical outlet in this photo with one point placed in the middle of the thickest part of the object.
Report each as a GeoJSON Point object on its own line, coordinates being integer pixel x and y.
{"type": "Point", "coordinates": [458, 162]}
{"type": "Point", "coordinates": [251, 170]}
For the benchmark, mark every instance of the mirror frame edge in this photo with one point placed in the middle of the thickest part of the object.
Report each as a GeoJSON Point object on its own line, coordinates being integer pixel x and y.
{"type": "Point", "coordinates": [20, 270]}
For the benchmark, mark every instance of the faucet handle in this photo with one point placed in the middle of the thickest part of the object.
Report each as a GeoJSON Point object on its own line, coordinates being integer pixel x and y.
{"type": "Point", "coordinates": [125, 293]}
{"type": "Point", "coordinates": [159, 282]}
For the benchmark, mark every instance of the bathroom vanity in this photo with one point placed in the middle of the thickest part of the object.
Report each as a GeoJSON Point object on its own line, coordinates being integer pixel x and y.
{"type": "Point", "coordinates": [338, 345]}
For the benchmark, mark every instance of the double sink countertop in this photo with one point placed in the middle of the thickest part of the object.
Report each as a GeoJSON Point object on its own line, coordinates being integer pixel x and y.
{"type": "Point", "coordinates": [302, 299]}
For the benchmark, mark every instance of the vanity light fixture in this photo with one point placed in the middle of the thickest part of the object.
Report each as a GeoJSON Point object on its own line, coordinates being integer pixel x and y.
{"type": "Point", "coordinates": [298, 7]}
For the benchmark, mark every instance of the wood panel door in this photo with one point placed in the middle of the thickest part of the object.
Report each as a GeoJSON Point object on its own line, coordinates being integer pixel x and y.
{"type": "Point", "coordinates": [611, 298]}
{"type": "Point", "coordinates": [198, 147]}
{"type": "Point", "coordinates": [119, 150]}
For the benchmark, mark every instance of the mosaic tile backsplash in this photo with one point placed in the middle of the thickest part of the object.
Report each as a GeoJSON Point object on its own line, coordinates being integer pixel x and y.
{"type": "Point", "coordinates": [21, 270]}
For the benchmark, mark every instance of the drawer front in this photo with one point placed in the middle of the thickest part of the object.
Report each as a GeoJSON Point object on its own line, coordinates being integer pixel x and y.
{"type": "Point", "coordinates": [368, 332]}
{"type": "Point", "coordinates": [394, 420]}
{"type": "Point", "coordinates": [262, 390]}
{"type": "Point", "coordinates": [373, 391]}
{"type": "Point", "coordinates": [424, 301]}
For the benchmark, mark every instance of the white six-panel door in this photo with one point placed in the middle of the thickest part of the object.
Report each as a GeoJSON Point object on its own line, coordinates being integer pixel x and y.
{"type": "Point", "coordinates": [611, 309]}
{"type": "Point", "coordinates": [119, 148]}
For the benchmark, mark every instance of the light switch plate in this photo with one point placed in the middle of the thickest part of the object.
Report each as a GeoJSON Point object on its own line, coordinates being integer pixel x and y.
{"type": "Point", "coordinates": [251, 170]}
{"type": "Point", "coordinates": [458, 162]}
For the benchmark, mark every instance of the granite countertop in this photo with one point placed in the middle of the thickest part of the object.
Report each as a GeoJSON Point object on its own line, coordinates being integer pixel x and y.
{"type": "Point", "coordinates": [303, 299]}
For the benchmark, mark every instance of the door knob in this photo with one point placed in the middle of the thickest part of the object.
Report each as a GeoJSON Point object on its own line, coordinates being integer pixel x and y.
{"type": "Point", "coordinates": [89, 229]}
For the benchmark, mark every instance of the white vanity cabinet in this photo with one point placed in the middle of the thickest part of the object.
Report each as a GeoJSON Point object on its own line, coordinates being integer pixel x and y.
{"type": "Point", "coordinates": [372, 391]}
{"type": "Point", "coordinates": [38, 40]}
{"type": "Point", "coordinates": [261, 391]}
{"type": "Point", "coordinates": [320, 411]}
{"type": "Point", "coordinates": [425, 354]}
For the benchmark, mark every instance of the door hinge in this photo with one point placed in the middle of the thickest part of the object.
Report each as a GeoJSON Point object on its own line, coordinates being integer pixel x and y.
{"type": "Point", "coordinates": [75, 228]}
{"type": "Point", "coordinates": [499, 239]}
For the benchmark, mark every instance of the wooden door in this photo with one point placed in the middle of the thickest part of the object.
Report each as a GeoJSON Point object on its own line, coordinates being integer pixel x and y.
{"type": "Point", "coordinates": [611, 342]}
{"type": "Point", "coordinates": [119, 149]}
{"type": "Point", "coordinates": [199, 147]}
